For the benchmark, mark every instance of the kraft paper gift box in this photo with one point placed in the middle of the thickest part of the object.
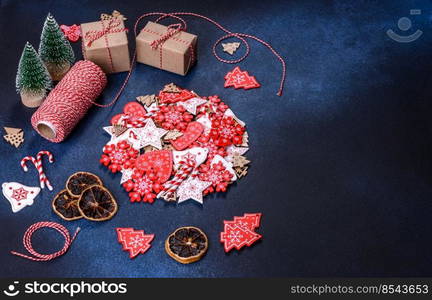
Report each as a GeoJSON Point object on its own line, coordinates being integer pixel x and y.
{"type": "Point", "coordinates": [105, 43]}
{"type": "Point", "coordinates": [176, 54]}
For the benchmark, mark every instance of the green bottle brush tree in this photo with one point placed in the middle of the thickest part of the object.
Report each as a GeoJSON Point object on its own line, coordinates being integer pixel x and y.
{"type": "Point", "coordinates": [33, 79]}
{"type": "Point", "coordinates": [55, 50]}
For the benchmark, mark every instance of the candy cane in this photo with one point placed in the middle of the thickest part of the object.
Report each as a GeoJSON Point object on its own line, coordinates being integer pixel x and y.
{"type": "Point", "coordinates": [136, 122]}
{"type": "Point", "coordinates": [35, 163]}
{"type": "Point", "coordinates": [25, 160]}
{"type": "Point", "coordinates": [40, 167]}
{"type": "Point", "coordinates": [186, 169]}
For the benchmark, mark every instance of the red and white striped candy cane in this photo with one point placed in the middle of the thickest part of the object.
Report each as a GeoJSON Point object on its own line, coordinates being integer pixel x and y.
{"type": "Point", "coordinates": [186, 169]}
{"type": "Point", "coordinates": [40, 166]}
{"type": "Point", "coordinates": [35, 163]}
{"type": "Point", "coordinates": [25, 160]}
{"type": "Point", "coordinates": [134, 123]}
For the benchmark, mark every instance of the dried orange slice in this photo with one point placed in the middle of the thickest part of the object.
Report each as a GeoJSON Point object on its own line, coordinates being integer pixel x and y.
{"type": "Point", "coordinates": [96, 203]}
{"type": "Point", "coordinates": [187, 244]}
{"type": "Point", "coordinates": [79, 181]}
{"type": "Point", "coordinates": [66, 206]}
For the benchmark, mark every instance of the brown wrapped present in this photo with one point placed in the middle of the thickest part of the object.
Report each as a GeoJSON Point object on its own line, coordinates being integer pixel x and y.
{"type": "Point", "coordinates": [167, 48]}
{"type": "Point", "coordinates": [105, 43]}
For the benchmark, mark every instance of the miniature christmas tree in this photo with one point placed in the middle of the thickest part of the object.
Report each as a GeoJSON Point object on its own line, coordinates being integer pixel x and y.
{"type": "Point", "coordinates": [55, 50]}
{"type": "Point", "coordinates": [32, 78]}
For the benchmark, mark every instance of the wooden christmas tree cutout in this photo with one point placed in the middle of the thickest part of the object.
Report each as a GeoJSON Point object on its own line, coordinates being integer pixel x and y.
{"type": "Point", "coordinates": [172, 135]}
{"type": "Point", "coordinates": [14, 136]}
{"type": "Point", "coordinates": [115, 14]}
{"type": "Point", "coordinates": [230, 47]}
{"type": "Point", "coordinates": [147, 100]}
{"type": "Point", "coordinates": [171, 88]}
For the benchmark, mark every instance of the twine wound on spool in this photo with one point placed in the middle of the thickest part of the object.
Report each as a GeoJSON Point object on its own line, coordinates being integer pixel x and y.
{"type": "Point", "coordinates": [69, 101]}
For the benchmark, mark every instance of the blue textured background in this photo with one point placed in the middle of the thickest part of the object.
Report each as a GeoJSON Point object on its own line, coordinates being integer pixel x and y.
{"type": "Point", "coordinates": [341, 163]}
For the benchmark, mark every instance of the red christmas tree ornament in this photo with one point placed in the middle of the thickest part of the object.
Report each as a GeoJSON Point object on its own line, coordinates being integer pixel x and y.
{"type": "Point", "coordinates": [118, 156]}
{"type": "Point", "coordinates": [240, 79]}
{"type": "Point", "coordinates": [241, 231]}
{"type": "Point", "coordinates": [250, 221]}
{"type": "Point", "coordinates": [134, 241]}
{"type": "Point", "coordinates": [170, 97]}
{"type": "Point", "coordinates": [236, 236]}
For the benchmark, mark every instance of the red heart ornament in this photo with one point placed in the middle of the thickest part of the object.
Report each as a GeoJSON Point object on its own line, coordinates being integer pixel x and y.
{"type": "Point", "coordinates": [132, 109]}
{"type": "Point", "coordinates": [158, 161]}
{"type": "Point", "coordinates": [192, 133]}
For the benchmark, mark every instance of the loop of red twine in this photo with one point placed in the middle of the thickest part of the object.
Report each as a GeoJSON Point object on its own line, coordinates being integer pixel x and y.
{"type": "Point", "coordinates": [45, 257]}
{"type": "Point", "coordinates": [241, 36]}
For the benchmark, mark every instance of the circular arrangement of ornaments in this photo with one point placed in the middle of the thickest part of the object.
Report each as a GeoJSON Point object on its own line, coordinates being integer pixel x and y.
{"type": "Point", "coordinates": [176, 146]}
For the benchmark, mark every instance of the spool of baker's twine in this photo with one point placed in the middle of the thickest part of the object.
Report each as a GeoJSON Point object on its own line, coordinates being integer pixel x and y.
{"type": "Point", "coordinates": [69, 101]}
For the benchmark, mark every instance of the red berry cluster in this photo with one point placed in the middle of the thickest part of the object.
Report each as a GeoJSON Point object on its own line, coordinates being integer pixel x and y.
{"type": "Point", "coordinates": [173, 117]}
{"type": "Point", "coordinates": [119, 156]}
{"type": "Point", "coordinates": [142, 187]}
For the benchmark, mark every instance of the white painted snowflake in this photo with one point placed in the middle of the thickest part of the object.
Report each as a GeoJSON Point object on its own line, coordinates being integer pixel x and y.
{"type": "Point", "coordinates": [236, 236]}
{"type": "Point", "coordinates": [136, 241]}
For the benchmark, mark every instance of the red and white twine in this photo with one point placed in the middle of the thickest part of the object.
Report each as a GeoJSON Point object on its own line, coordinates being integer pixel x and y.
{"type": "Point", "coordinates": [37, 162]}
{"type": "Point", "coordinates": [45, 257]}
{"type": "Point", "coordinates": [70, 100]}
